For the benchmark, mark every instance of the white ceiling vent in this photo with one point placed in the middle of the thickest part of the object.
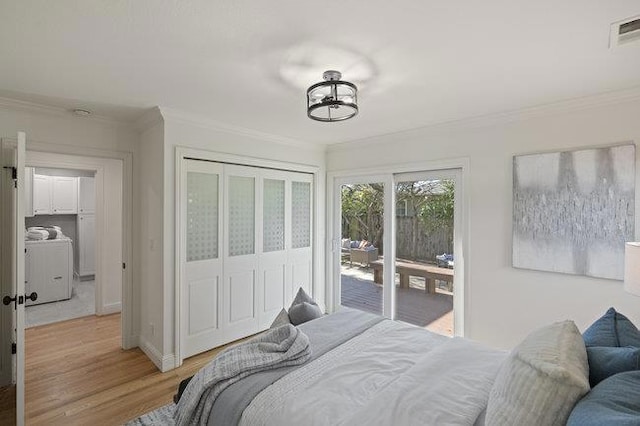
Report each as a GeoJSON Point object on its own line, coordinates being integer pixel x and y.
{"type": "Point", "coordinates": [626, 31]}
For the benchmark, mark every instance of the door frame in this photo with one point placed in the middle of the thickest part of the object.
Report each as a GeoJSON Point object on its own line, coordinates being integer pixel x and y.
{"type": "Point", "coordinates": [318, 217]}
{"type": "Point", "coordinates": [129, 334]}
{"type": "Point", "coordinates": [387, 174]}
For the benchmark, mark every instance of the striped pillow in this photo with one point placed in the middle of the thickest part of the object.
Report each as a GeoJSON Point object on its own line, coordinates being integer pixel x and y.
{"type": "Point", "coordinates": [542, 379]}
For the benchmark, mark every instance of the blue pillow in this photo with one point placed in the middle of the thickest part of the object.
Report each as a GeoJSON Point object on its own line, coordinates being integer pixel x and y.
{"type": "Point", "coordinates": [613, 330]}
{"type": "Point", "coordinates": [605, 362]}
{"type": "Point", "coordinates": [614, 401]}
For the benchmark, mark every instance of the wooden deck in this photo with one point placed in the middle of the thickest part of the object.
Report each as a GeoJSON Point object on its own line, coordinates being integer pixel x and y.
{"type": "Point", "coordinates": [433, 311]}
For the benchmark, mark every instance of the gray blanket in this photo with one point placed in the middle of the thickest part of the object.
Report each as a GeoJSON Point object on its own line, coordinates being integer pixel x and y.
{"type": "Point", "coordinates": [324, 334]}
{"type": "Point", "coordinates": [279, 347]}
{"type": "Point", "coordinates": [226, 407]}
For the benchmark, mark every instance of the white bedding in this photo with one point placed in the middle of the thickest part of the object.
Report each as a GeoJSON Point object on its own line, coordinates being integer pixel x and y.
{"type": "Point", "coordinates": [392, 374]}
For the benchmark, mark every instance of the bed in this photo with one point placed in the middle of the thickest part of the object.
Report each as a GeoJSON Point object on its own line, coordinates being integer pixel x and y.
{"type": "Point", "coordinates": [356, 368]}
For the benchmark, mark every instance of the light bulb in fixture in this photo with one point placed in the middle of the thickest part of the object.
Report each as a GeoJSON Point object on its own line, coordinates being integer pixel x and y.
{"type": "Point", "coordinates": [81, 112]}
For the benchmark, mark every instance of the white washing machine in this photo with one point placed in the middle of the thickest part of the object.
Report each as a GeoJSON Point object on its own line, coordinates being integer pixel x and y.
{"type": "Point", "coordinates": [48, 269]}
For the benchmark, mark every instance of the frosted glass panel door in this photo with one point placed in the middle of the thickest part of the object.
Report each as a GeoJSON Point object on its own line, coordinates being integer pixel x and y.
{"type": "Point", "coordinates": [242, 215]}
{"type": "Point", "coordinates": [273, 215]}
{"type": "Point", "coordinates": [202, 279]}
{"type": "Point", "coordinates": [274, 292]}
{"type": "Point", "coordinates": [240, 293]}
{"type": "Point", "coordinates": [301, 254]}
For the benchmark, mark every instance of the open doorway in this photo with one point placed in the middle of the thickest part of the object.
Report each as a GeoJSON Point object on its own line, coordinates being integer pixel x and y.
{"type": "Point", "coordinates": [95, 218]}
{"type": "Point", "coordinates": [60, 244]}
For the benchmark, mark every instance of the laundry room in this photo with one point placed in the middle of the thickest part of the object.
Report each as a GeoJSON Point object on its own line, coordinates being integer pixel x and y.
{"type": "Point", "coordinates": [60, 244]}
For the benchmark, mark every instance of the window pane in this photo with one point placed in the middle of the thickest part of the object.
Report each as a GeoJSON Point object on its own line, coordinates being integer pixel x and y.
{"type": "Point", "coordinates": [273, 215]}
{"type": "Point", "coordinates": [300, 214]}
{"type": "Point", "coordinates": [241, 215]}
{"type": "Point", "coordinates": [202, 216]}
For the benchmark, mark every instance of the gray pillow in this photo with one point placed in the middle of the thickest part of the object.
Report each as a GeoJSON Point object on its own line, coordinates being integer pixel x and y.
{"type": "Point", "coordinates": [302, 296]}
{"type": "Point", "coordinates": [281, 319]}
{"type": "Point", "coordinates": [541, 380]}
{"type": "Point", "coordinates": [303, 312]}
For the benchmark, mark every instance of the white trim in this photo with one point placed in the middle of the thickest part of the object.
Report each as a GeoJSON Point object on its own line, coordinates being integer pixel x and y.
{"type": "Point", "coordinates": [318, 173]}
{"type": "Point", "coordinates": [149, 119]}
{"type": "Point", "coordinates": [128, 332]}
{"type": "Point", "coordinates": [462, 308]}
{"type": "Point", "coordinates": [163, 363]}
{"type": "Point", "coordinates": [208, 123]}
{"type": "Point", "coordinates": [33, 107]}
{"type": "Point", "coordinates": [111, 308]}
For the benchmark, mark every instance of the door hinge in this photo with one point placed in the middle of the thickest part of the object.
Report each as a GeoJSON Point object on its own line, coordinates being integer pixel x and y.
{"type": "Point", "coordinates": [14, 348]}
{"type": "Point", "coordinates": [14, 175]}
{"type": "Point", "coordinates": [124, 265]}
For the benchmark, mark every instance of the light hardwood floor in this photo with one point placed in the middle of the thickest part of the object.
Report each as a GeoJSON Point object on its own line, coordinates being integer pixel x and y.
{"type": "Point", "coordinates": [77, 374]}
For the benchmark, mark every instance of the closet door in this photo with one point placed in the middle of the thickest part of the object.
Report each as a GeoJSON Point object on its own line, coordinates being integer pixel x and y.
{"type": "Point", "coordinates": [300, 253]}
{"type": "Point", "coordinates": [241, 278]}
{"type": "Point", "coordinates": [273, 223]}
{"type": "Point", "coordinates": [201, 241]}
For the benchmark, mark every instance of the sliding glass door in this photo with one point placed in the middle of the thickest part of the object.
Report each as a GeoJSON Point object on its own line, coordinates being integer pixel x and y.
{"type": "Point", "coordinates": [397, 247]}
{"type": "Point", "coordinates": [424, 215]}
{"type": "Point", "coordinates": [361, 245]}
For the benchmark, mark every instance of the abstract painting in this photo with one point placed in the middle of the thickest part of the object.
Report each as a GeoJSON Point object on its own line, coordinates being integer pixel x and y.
{"type": "Point", "coordinates": [574, 210]}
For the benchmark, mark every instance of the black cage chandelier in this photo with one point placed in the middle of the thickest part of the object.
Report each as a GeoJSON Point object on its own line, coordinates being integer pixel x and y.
{"type": "Point", "coordinates": [332, 99]}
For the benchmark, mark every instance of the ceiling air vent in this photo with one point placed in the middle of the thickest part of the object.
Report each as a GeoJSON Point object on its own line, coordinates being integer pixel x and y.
{"type": "Point", "coordinates": [626, 31]}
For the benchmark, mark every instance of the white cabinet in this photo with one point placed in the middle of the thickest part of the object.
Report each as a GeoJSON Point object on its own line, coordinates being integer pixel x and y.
{"type": "Point", "coordinates": [55, 195]}
{"type": "Point", "coordinates": [49, 266]}
{"type": "Point", "coordinates": [41, 195]}
{"type": "Point", "coordinates": [64, 195]}
{"type": "Point", "coordinates": [86, 195]}
{"type": "Point", "coordinates": [86, 244]}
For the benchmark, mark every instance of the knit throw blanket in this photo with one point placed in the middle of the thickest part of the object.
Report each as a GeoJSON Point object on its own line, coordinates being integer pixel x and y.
{"type": "Point", "coordinates": [280, 347]}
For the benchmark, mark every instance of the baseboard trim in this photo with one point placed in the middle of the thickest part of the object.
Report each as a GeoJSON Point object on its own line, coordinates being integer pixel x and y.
{"type": "Point", "coordinates": [111, 308]}
{"type": "Point", "coordinates": [130, 342]}
{"type": "Point", "coordinates": [163, 363]}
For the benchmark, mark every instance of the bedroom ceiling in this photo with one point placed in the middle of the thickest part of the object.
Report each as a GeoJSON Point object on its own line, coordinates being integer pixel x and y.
{"type": "Point", "coordinates": [247, 63]}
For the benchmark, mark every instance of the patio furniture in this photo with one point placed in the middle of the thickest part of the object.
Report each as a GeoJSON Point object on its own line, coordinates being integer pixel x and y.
{"type": "Point", "coordinates": [445, 260]}
{"type": "Point", "coordinates": [407, 269]}
{"type": "Point", "coordinates": [363, 256]}
{"type": "Point", "coordinates": [358, 251]}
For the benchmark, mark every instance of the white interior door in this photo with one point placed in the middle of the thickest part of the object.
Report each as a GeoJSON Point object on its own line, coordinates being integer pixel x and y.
{"type": "Point", "coordinates": [273, 222]}
{"type": "Point", "coordinates": [245, 247]}
{"type": "Point", "coordinates": [201, 297]}
{"type": "Point", "coordinates": [241, 274]}
{"type": "Point", "coordinates": [13, 277]}
{"type": "Point", "coordinates": [300, 236]}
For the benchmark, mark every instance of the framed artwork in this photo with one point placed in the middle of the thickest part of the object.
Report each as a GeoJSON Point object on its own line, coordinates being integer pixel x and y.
{"type": "Point", "coordinates": [574, 210]}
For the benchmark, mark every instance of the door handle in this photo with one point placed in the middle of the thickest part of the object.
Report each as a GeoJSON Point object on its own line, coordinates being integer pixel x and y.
{"type": "Point", "coordinates": [19, 300]}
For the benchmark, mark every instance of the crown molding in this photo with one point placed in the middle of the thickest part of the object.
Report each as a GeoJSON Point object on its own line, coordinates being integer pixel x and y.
{"type": "Point", "coordinates": [561, 107]}
{"type": "Point", "coordinates": [148, 119]}
{"type": "Point", "coordinates": [14, 104]}
{"type": "Point", "coordinates": [197, 120]}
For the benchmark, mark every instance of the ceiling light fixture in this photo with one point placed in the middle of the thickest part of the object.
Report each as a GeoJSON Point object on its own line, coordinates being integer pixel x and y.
{"type": "Point", "coordinates": [82, 112]}
{"type": "Point", "coordinates": [332, 99]}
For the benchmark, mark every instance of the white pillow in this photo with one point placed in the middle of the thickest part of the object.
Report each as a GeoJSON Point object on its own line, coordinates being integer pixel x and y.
{"type": "Point", "coordinates": [541, 380]}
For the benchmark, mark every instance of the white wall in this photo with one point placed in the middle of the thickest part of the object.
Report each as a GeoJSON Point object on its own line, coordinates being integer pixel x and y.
{"type": "Point", "coordinates": [503, 303]}
{"type": "Point", "coordinates": [190, 134]}
{"type": "Point", "coordinates": [56, 131]}
{"type": "Point", "coordinates": [149, 223]}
